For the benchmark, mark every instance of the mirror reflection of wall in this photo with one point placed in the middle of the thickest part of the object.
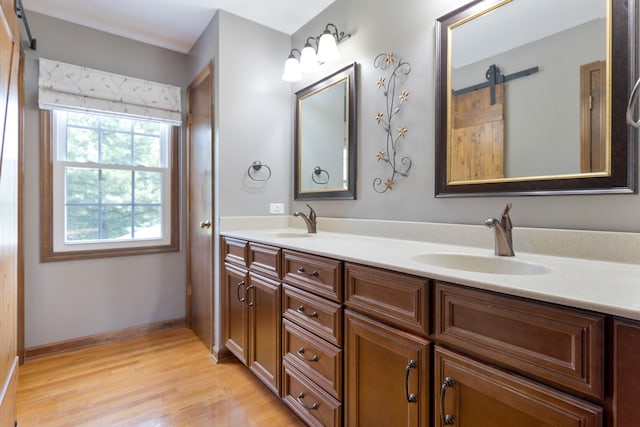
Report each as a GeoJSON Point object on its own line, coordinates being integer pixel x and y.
{"type": "Point", "coordinates": [325, 138]}
{"type": "Point", "coordinates": [542, 111]}
{"type": "Point", "coordinates": [324, 132]}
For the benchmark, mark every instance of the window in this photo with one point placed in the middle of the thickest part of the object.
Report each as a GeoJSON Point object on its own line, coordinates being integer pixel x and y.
{"type": "Point", "coordinates": [109, 185]}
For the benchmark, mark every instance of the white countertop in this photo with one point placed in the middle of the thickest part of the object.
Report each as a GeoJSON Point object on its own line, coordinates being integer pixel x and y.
{"type": "Point", "coordinates": [602, 286]}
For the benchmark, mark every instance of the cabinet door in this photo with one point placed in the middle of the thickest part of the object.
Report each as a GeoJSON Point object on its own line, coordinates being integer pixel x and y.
{"type": "Point", "coordinates": [387, 382]}
{"type": "Point", "coordinates": [235, 324]}
{"type": "Point", "coordinates": [265, 319]}
{"type": "Point", "coordinates": [471, 393]}
{"type": "Point", "coordinates": [626, 373]}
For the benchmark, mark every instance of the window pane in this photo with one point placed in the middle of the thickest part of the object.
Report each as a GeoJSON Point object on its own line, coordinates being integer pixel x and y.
{"type": "Point", "coordinates": [147, 151]}
{"type": "Point", "coordinates": [82, 185]}
{"type": "Point", "coordinates": [117, 123]}
{"type": "Point", "coordinates": [148, 187]}
{"type": "Point", "coordinates": [116, 187]}
{"type": "Point", "coordinates": [83, 119]}
{"type": "Point", "coordinates": [116, 148]}
{"type": "Point", "coordinates": [147, 128]}
{"type": "Point", "coordinates": [116, 222]}
{"type": "Point", "coordinates": [82, 145]}
{"type": "Point", "coordinates": [82, 223]}
{"type": "Point", "coordinates": [148, 222]}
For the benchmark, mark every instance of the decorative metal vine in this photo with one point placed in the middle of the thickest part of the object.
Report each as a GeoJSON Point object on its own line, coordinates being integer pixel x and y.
{"type": "Point", "coordinates": [399, 70]}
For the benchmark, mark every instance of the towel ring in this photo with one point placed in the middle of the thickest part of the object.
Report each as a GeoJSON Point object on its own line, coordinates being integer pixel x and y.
{"type": "Point", "coordinates": [317, 173]}
{"type": "Point", "coordinates": [633, 100]}
{"type": "Point", "coordinates": [256, 167]}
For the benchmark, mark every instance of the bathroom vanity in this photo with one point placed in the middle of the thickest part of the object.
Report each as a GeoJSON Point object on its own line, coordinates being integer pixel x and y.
{"type": "Point", "coordinates": [360, 330]}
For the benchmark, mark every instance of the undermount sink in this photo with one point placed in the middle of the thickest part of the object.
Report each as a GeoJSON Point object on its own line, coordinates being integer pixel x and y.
{"type": "Point", "coordinates": [481, 264]}
{"type": "Point", "coordinates": [288, 234]}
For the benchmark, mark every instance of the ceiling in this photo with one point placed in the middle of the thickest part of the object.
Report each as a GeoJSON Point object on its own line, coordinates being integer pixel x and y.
{"type": "Point", "coordinates": [175, 24]}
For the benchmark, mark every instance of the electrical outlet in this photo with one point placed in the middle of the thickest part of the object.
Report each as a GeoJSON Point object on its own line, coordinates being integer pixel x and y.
{"type": "Point", "coordinates": [276, 208]}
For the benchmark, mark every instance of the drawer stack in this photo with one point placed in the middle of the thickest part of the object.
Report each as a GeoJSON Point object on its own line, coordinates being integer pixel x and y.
{"type": "Point", "coordinates": [312, 337]}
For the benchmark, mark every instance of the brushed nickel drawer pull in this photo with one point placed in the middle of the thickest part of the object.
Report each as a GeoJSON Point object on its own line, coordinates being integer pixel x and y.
{"type": "Point", "coordinates": [314, 273]}
{"type": "Point", "coordinates": [310, 408]}
{"type": "Point", "coordinates": [301, 270]}
{"type": "Point", "coordinates": [240, 283]}
{"type": "Point", "coordinates": [304, 313]}
{"type": "Point", "coordinates": [411, 398]}
{"type": "Point", "coordinates": [445, 419]}
{"type": "Point", "coordinates": [308, 359]}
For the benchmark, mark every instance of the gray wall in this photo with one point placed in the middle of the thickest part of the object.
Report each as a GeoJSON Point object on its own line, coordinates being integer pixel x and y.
{"type": "Point", "coordinates": [65, 300]}
{"type": "Point", "coordinates": [406, 28]}
{"type": "Point", "coordinates": [252, 118]}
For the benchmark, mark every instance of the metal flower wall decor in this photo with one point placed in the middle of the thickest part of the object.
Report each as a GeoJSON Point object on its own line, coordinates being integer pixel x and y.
{"type": "Point", "coordinates": [397, 71]}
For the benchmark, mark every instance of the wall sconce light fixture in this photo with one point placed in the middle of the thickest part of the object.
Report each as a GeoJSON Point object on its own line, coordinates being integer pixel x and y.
{"type": "Point", "coordinates": [325, 50]}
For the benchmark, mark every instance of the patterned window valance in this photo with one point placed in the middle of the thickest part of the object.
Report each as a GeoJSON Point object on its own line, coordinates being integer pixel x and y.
{"type": "Point", "coordinates": [80, 88]}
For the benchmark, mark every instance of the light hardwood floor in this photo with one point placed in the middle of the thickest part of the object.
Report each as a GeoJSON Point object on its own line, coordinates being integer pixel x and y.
{"type": "Point", "coordinates": [162, 379]}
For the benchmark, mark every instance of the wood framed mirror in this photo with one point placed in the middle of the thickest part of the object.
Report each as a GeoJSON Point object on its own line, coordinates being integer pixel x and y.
{"type": "Point", "coordinates": [531, 98]}
{"type": "Point", "coordinates": [325, 138]}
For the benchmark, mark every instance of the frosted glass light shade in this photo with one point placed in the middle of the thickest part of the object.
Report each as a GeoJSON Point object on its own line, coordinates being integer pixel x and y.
{"type": "Point", "coordinates": [327, 48]}
{"type": "Point", "coordinates": [292, 71]}
{"type": "Point", "coordinates": [308, 60]}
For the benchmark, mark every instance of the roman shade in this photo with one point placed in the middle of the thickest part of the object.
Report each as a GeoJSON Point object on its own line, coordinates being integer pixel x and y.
{"type": "Point", "coordinates": [85, 89]}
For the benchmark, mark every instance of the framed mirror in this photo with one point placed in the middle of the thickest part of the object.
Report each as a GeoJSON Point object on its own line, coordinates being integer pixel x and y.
{"type": "Point", "coordinates": [325, 138]}
{"type": "Point", "coordinates": [531, 98]}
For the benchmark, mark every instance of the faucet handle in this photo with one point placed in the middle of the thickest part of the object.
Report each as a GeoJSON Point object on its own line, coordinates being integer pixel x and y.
{"type": "Point", "coordinates": [312, 213]}
{"type": "Point", "coordinates": [506, 219]}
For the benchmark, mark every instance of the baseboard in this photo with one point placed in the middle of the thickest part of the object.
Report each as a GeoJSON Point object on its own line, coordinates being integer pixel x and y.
{"type": "Point", "coordinates": [8, 396]}
{"type": "Point", "coordinates": [91, 340]}
{"type": "Point", "coordinates": [220, 355]}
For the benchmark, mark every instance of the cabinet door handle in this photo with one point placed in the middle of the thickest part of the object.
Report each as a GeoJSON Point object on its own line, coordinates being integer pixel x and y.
{"type": "Point", "coordinates": [246, 292]}
{"type": "Point", "coordinates": [310, 408]}
{"type": "Point", "coordinates": [411, 398]}
{"type": "Point", "coordinates": [304, 313]}
{"type": "Point", "coordinates": [445, 419]}
{"type": "Point", "coordinates": [308, 359]}
{"type": "Point", "coordinates": [240, 283]}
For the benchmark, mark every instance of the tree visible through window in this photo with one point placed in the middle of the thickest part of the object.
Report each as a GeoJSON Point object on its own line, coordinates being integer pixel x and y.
{"type": "Point", "coordinates": [111, 182]}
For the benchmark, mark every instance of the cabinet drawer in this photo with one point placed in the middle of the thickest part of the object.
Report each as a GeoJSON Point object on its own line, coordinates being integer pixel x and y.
{"type": "Point", "coordinates": [399, 299]}
{"type": "Point", "coordinates": [476, 394]}
{"type": "Point", "coordinates": [556, 344]}
{"type": "Point", "coordinates": [319, 275]}
{"type": "Point", "coordinates": [310, 402]}
{"type": "Point", "coordinates": [318, 360]}
{"type": "Point", "coordinates": [265, 259]}
{"type": "Point", "coordinates": [322, 317]}
{"type": "Point", "coordinates": [235, 251]}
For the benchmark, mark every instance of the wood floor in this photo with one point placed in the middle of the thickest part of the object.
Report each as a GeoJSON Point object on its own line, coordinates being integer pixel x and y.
{"type": "Point", "coordinates": [163, 379]}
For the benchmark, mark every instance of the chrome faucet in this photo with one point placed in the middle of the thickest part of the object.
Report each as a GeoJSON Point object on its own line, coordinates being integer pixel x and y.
{"type": "Point", "coordinates": [310, 220]}
{"type": "Point", "coordinates": [504, 242]}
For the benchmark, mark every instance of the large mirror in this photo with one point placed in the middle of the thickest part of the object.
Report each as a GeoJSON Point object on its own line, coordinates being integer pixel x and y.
{"type": "Point", "coordinates": [325, 138]}
{"type": "Point", "coordinates": [531, 97]}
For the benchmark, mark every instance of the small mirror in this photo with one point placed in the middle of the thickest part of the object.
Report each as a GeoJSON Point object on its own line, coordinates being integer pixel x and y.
{"type": "Point", "coordinates": [325, 138]}
{"type": "Point", "coordinates": [531, 98]}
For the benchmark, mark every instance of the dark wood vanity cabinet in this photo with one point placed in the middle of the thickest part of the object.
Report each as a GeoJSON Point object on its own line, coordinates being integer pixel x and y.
{"type": "Point", "coordinates": [251, 295]}
{"type": "Point", "coordinates": [312, 354]}
{"type": "Point", "coordinates": [471, 393]}
{"type": "Point", "coordinates": [626, 373]}
{"type": "Point", "coordinates": [349, 344]}
{"type": "Point", "coordinates": [387, 374]}
{"type": "Point", "coordinates": [515, 362]}
{"type": "Point", "coordinates": [387, 354]}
